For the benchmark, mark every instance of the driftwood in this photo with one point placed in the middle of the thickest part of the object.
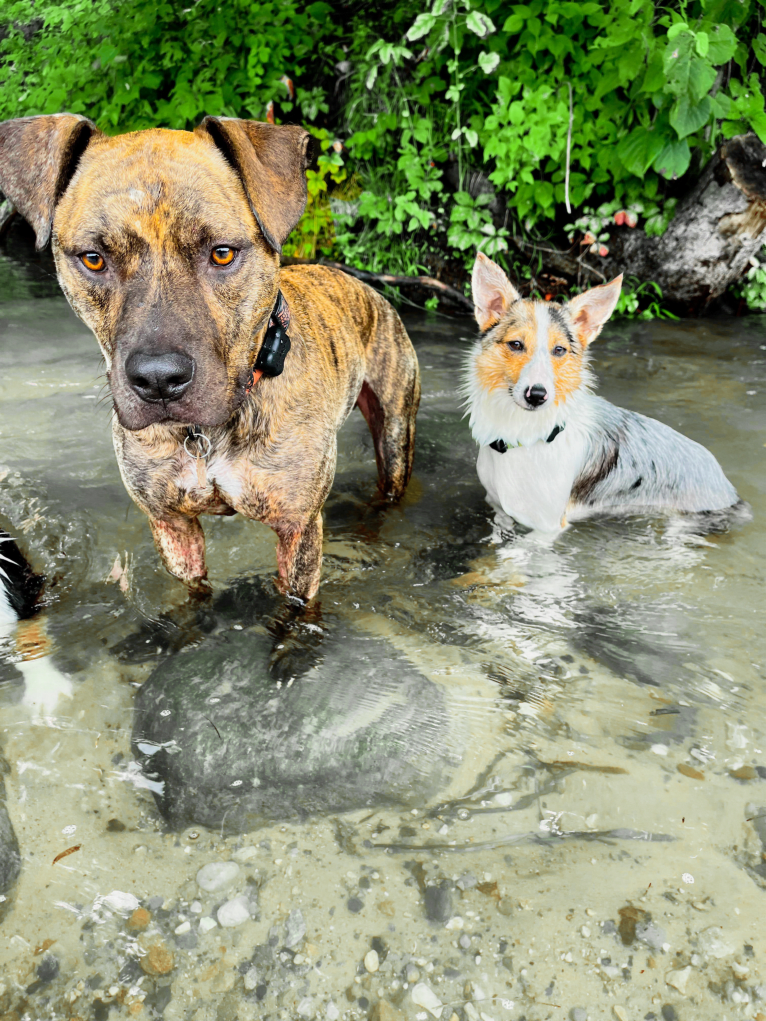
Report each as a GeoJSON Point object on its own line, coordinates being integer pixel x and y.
{"type": "Point", "coordinates": [449, 294]}
{"type": "Point", "coordinates": [717, 229]}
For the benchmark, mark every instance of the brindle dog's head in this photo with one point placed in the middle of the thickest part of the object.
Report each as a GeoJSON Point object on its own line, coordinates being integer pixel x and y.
{"type": "Point", "coordinates": [166, 245]}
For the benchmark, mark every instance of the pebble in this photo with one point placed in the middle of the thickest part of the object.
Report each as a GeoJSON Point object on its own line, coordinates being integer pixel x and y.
{"type": "Point", "coordinates": [424, 996]}
{"type": "Point", "coordinates": [505, 906]}
{"type": "Point", "coordinates": [207, 923]}
{"type": "Point", "coordinates": [306, 1007]}
{"type": "Point", "coordinates": [744, 773]}
{"type": "Point", "coordinates": [123, 903]}
{"type": "Point", "coordinates": [183, 927]}
{"type": "Point", "coordinates": [245, 853]}
{"type": "Point", "coordinates": [679, 979]}
{"type": "Point", "coordinates": [578, 1014]}
{"type": "Point", "coordinates": [438, 903]}
{"type": "Point", "coordinates": [157, 960]}
{"type": "Point", "coordinates": [465, 941]}
{"type": "Point", "coordinates": [295, 928]}
{"type": "Point", "coordinates": [620, 1013]}
{"type": "Point", "coordinates": [371, 961]}
{"type": "Point", "coordinates": [234, 912]}
{"type": "Point", "coordinates": [467, 881]}
{"type": "Point", "coordinates": [411, 974]}
{"type": "Point", "coordinates": [217, 875]}
{"type": "Point", "coordinates": [354, 905]}
{"type": "Point", "coordinates": [331, 1012]}
{"type": "Point", "coordinates": [139, 920]}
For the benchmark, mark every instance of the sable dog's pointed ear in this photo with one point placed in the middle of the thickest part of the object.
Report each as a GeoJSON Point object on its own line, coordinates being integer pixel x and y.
{"type": "Point", "coordinates": [591, 309]}
{"type": "Point", "coordinates": [271, 160]}
{"type": "Point", "coordinates": [492, 292]}
{"type": "Point", "coordinates": [38, 156]}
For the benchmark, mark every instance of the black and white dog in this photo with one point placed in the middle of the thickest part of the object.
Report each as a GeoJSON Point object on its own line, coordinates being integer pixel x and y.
{"type": "Point", "coordinates": [20, 587]}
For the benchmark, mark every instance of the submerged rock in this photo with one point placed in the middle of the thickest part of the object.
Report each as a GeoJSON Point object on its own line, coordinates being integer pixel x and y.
{"type": "Point", "coordinates": [10, 857]}
{"type": "Point", "coordinates": [229, 746]}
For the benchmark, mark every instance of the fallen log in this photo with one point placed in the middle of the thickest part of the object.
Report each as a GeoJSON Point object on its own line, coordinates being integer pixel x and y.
{"type": "Point", "coordinates": [718, 227]}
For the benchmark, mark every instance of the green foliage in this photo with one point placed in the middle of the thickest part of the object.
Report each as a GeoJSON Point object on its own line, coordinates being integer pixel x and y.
{"type": "Point", "coordinates": [752, 288]}
{"type": "Point", "coordinates": [131, 64]}
{"type": "Point", "coordinates": [435, 106]}
{"type": "Point", "coordinates": [641, 301]}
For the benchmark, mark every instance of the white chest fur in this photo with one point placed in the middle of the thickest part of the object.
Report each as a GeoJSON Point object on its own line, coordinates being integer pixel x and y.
{"type": "Point", "coordinates": [533, 484]}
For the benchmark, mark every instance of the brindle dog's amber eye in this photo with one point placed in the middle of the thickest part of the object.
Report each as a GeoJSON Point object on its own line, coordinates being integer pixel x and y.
{"type": "Point", "coordinates": [93, 261]}
{"type": "Point", "coordinates": [223, 255]}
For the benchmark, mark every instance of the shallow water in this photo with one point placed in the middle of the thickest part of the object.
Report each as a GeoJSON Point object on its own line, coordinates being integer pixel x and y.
{"type": "Point", "coordinates": [579, 826]}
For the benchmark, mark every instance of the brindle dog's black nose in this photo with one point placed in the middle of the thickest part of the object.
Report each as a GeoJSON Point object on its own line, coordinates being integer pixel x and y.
{"type": "Point", "coordinates": [536, 395]}
{"type": "Point", "coordinates": [159, 377]}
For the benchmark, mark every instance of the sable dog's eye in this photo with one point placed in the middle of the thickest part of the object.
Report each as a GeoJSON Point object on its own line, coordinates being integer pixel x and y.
{"type": "Point", "coordinates": [93, 261]}
{"type": "Point", "coordinates": [516, 345]}
{"type": "Point", "coordinates": [223, 255]}
{"type": "Point", "coordinates": [559, 351]}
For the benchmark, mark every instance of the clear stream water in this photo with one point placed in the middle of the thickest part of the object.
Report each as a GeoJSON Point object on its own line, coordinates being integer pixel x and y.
{"type": "Point", "coordinates": [588, 836]}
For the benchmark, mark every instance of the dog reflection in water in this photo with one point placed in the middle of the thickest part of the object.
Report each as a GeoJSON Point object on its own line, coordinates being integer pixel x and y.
{"type": "Point", "coordinates": [551, 451]}
{"type": "Point", "coordinates": [21, 625]}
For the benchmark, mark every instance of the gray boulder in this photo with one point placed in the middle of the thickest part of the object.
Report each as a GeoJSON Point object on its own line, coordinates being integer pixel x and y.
{"type": "Point", "coordinates": [228, 745]}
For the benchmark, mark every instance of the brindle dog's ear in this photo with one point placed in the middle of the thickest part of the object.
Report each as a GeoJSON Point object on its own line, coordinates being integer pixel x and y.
{"type": "Point", "coordinates": [38, 156]}
{"type": "Point", "coordinates": [271, 160]}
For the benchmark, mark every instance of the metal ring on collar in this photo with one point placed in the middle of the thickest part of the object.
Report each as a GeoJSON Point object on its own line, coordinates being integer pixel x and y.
{"type": "Point", "coordinates": [198, 438]}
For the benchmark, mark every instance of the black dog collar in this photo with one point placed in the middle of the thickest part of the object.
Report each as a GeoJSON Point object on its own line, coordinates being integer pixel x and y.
{"type": "Point", "coordinates": [501, 446]}
{"type": "Point", "coordinates": [276, 343]}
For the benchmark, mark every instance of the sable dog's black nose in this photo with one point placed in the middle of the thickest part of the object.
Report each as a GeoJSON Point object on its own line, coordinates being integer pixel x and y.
{"type": "Point", "coordinates": [536, 395]}
{"type": "Point", "coordinates": [159, 378]}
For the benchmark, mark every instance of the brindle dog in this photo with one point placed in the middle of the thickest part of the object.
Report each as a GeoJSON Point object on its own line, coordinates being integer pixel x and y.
{"type": "Point", "coordinates": [167, 246]}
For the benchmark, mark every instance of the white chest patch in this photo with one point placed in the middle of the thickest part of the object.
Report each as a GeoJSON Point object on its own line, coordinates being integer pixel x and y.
{"type": "Point", "coordinates": [533, 484]}
{"type": "Point", "coordinates": [218, 471]}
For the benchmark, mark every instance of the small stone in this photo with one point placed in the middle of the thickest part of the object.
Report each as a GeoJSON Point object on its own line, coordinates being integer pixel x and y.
{"type": "Point", "coordinates": [250, 979]}
{"type": "Point", "coordinates": [331, 1012]}
{"type": "Point", "coordinates": [354, 905]}
{"type": "Point", "coordinates": [456, 922]}
{"type": "Point", "coordinates": [217, 875]}
{"type": "Point", "coordinates": [234, 912]}
{"type": "Point", "coordinates": [620, 1013]}
{"type": "Point", "coordinates": [467, 881]}
{"type": "Point", "coordinates": [207, 923]}
{"type": "Point", "coordinates": [424, 996]}
{"type": "Point", "coordinates": [371, 961]}
{"type": "Point", "coordinates": [157, 960]}
{"type": "Point", "coordinates": [744, 773]}
{"type": "Point", "coordinates": [411, 974]}
{"type": "Point", "coordinates": [690, 771]}
{"type": "Point", "coordinates": [578, 1014]}
{"type": "Point", "coordinates": [679, 978]}
{"type": "Point", "coordinates": [306, 1007]}
{"type": "Point", "coordinates": [245, 853]}
{"type": "Point", "coordinates": [122, 903]}
{"type": "Point", "coordinates": [465, 941]}
{"type": "Point", "coordinates": [741, 971]}
{"type": "Point", "coordinates": [438, 903]}
{"type": "Point", "coordinates": [384, 1011]}
{"type": "Point", "coordinates": [183, 927]}
{"type": "Point", "coordinates": [139, 920]}
{"type": "Point", "coordinates": [505, 906]}
{"type": "Point", "coordinates": [295, 928]}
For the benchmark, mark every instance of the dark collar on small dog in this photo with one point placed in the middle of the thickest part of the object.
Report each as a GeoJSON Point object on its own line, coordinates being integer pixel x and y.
{"type": "Point", "coordinates": [501, 446]}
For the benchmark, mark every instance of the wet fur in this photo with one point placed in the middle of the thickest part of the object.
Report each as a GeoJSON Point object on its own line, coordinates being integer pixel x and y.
{"type": "Point", "coordinates": [155, 203]}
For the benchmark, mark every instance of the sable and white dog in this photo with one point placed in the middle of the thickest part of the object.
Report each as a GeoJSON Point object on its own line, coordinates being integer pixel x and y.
{"type": "Point", "coordinates": [551, 451]}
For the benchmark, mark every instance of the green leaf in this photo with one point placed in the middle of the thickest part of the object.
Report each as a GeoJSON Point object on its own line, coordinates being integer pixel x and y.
{"type": "Point", "coordinates": [673, 161]}
{"type": "Point", "coordinates": [687, 116]}
{"type": "Point", "coordinates": [513, 24]}
{"type": "Point", "coordinates": [702, 43]}
{"type": "Point", "coordinates": [677, 29]}
{"type": "Point", "coordinates": [638, 150]}
{"type": "Point", "coordinates": [759, 47]}
{"type": "Point", "coordinates": [479, 24]}
{"type": "Point", "coordinates": [488, 61]}
{"type": "Point", "coordinates": [721, 104]}
{"type": "Point", "coordinates": [421, 26]}
{"type": "Point", "coordinates": [723, 43]}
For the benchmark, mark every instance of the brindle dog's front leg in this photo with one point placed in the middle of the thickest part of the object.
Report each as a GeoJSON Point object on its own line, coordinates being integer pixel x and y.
{"type": "Point", "coordinates": [181, 544]}
{"type": "Point", "coordinates": [299, 558]}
